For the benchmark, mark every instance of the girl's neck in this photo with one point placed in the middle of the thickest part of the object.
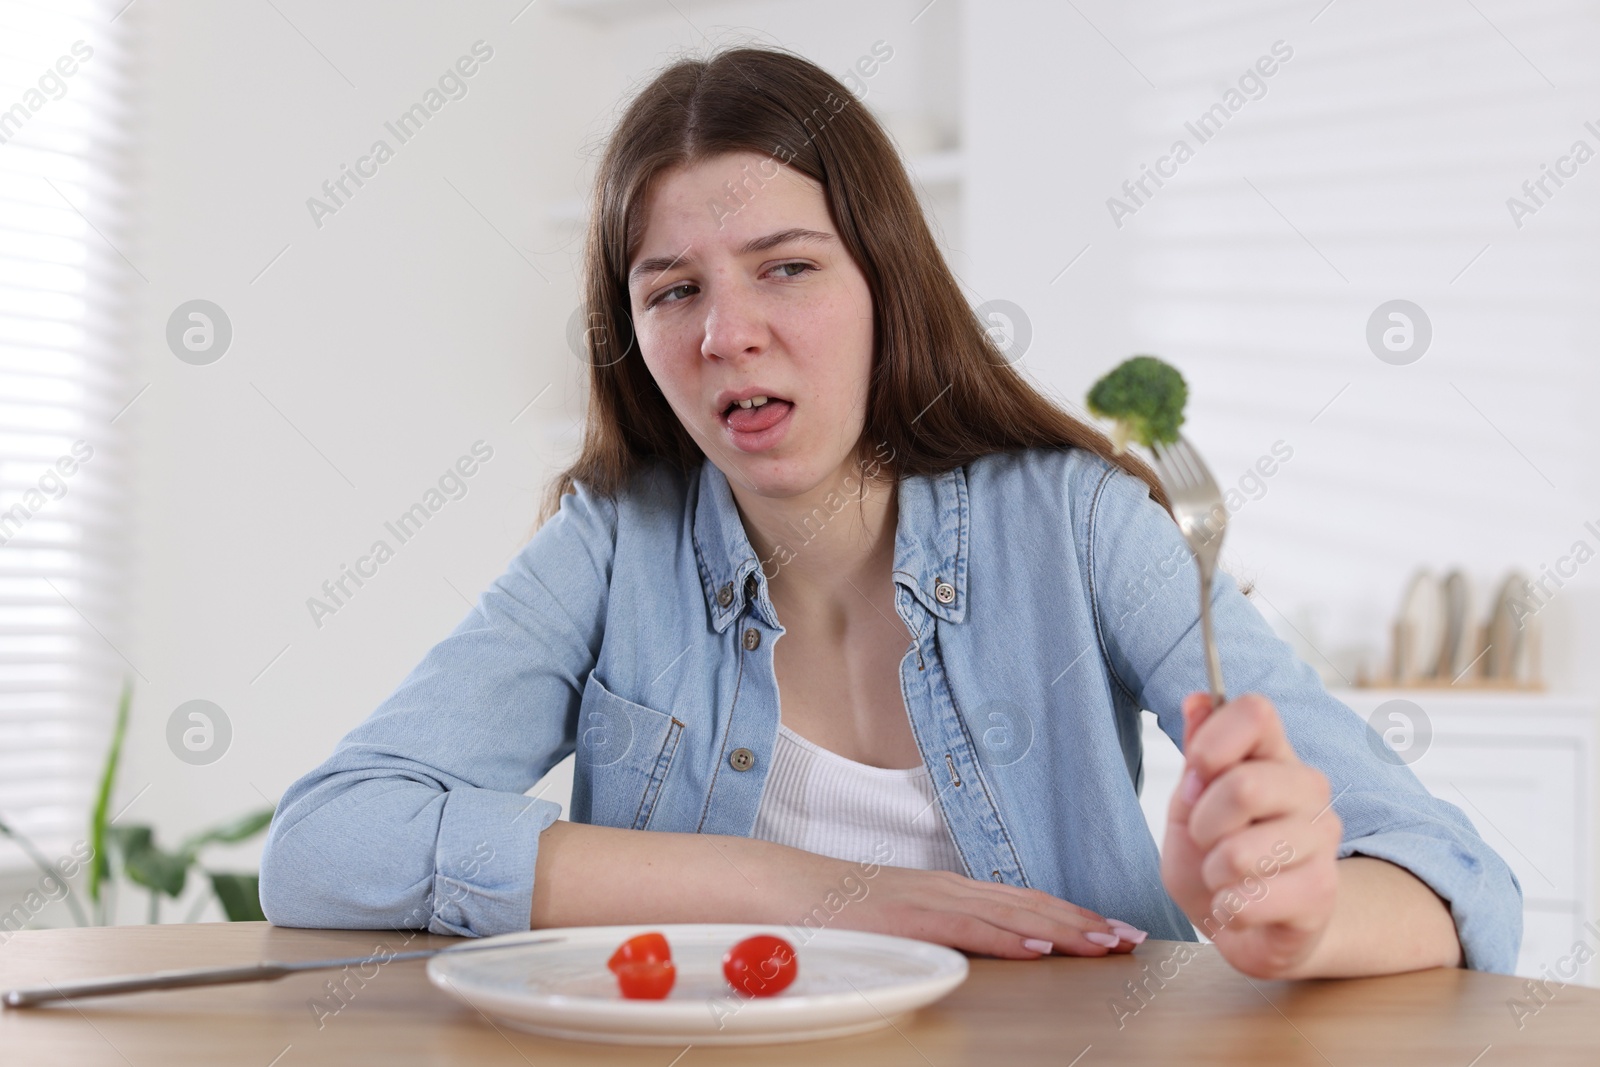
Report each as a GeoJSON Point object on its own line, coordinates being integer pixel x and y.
{"type": "Point", "coordinates": [825, 545]}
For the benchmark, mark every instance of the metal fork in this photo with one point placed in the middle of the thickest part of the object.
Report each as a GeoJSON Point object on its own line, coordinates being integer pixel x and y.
{"type": "Point", "coordinates": [1197, 505]}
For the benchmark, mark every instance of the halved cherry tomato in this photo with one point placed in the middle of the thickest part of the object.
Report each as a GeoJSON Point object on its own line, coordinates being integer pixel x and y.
{"type": "Point", "coordinates": [645, 948]}
{"type": "Point", "coordinates": [761, 966]}
{"type": "Point", "coordinates": [648, 980]}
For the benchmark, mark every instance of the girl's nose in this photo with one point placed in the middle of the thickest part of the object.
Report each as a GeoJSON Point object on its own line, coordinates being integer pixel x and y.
{"type": "Point", "coordinates": [735, 325]}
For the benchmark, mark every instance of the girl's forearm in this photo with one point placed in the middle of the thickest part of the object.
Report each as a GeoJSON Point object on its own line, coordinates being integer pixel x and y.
{"type": "Point", "coordinates": [599, 875]}
{"type": "Point", "coordinates": [596, 875]}
{"type": "Point", "coordinates": [1385, 920]}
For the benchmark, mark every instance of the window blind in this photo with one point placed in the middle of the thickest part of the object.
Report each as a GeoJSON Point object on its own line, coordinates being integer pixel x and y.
{"type": "Point", "coordinates": [66, 282]}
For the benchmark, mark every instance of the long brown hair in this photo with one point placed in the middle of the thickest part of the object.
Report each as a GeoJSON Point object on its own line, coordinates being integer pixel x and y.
{"type": "Point", "coordinates": [941, 392]}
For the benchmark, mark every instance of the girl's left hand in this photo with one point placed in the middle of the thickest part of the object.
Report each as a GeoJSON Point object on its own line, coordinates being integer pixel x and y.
{"type": "Point", "coordinates": [1251, 841]}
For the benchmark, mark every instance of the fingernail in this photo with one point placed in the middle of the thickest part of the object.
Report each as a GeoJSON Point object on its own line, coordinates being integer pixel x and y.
{"type": "Point", "coordinates": [1037, 945]}
{"type": "Point", "coordinates": [1108, 940]}
{"type": "Point", "coordinates": [1190, 787]}
{"type": "Point", "coordinates": [1129, 933]}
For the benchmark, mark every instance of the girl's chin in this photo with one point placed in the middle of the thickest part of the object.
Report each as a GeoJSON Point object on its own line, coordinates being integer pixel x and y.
{"type": "Point", "coordinates": [775, 476]}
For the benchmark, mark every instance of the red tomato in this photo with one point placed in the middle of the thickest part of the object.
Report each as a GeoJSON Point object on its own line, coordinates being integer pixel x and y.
{"type": "Point", "coordinates": [649, 980]}
{"type": "Point", "coordinates": [645, 948]}
{"type": "Point", "coordinates": [761, 966]}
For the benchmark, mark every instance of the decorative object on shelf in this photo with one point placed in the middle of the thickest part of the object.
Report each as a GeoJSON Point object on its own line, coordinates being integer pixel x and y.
{"type": "Point", "coordinates": [1436, 642]}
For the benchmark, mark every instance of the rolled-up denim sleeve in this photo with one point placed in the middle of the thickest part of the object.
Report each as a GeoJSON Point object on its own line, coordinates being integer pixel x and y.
{"type": "Point", "coordinates": [1146, 591]}
{"type": "Point", "coordinates": [418, 819]}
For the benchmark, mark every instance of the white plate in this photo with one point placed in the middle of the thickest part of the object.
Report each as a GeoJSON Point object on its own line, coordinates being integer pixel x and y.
{"type": "Point", "coordinates": [1510, 626]}
{"type": "Point", "coordinates": [1422, 618]}
{"type": "Point", "coordinates": [1461, 640]}
{"type": "Point", "coordinates": [849, 982]}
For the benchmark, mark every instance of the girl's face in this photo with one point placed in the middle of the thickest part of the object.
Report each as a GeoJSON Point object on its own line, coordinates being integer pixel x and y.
{"type": "Point", "coordinates": [741, 287]}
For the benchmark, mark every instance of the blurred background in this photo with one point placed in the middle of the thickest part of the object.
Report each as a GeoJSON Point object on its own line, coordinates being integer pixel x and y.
{"type": "Point", "coordinates": [226, 364]}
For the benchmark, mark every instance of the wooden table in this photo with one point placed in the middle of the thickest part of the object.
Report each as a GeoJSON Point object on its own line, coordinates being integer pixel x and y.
{"type": "Point", "coordinates": [1195, 1009]}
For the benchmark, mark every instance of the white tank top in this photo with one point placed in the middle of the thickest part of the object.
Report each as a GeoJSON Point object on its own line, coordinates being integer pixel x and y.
{"type": "Point", "coordinates": [822, 802]}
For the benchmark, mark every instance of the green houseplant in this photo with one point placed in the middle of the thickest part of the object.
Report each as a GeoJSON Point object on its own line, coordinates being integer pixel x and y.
{"type": "Point", "coordinates": [133, 853]}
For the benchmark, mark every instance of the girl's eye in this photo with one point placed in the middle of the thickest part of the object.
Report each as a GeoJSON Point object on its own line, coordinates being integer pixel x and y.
{"type": "Point", "coordinates": [662, 298]}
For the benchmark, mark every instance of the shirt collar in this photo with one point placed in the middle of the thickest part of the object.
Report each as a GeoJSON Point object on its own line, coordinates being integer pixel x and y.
{"type": "Point", "coordinates": [930, 547]}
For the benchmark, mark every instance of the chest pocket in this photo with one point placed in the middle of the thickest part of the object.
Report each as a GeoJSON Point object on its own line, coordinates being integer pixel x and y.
{"type": "Point", "coordinates": [624, 751]}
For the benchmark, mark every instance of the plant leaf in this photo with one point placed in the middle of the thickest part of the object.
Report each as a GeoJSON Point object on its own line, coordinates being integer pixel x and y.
{"type": "Point", "coordinates": [125, 839]}
{"type": "Point", "coordinates": [99, 867]}
{"type": "Point", "coordinates": [240, 895]}
{"type": "Point", "coordinates": [147, 864]}
{"type": "Point", "coordinates": [234, 830]}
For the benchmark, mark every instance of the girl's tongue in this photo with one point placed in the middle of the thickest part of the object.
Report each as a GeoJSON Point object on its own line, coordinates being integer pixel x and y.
{"type": "Point", "coordinates": [754, 420]}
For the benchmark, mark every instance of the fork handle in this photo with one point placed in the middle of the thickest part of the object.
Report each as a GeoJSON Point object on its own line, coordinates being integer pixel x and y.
{"type": "Point", "coordinates": [1213, 664]}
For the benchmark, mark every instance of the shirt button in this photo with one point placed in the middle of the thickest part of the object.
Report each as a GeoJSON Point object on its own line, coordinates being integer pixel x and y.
{"type": "Point", "coordinates": [944, 592]}
{"type": "Point", "coordinates": [741, 759]}
{"type": "Point", "coordinates": [725, 595]}
{"type": "Point", "coordinates": [750, 587]}
{"type": "Point", "coordinates": [752, 639]}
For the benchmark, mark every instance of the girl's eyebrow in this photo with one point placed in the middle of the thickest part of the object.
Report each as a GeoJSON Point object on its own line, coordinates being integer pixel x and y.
{"type": "Point", "coordinates": [662, 264]}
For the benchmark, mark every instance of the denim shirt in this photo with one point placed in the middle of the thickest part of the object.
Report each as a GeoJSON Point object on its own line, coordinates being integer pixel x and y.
{"type": "Point", "coordinates": [1049, 599]}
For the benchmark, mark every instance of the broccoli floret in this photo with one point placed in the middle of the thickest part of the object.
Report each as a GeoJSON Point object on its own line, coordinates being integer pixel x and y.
{"type": "Point", "coordinates": [1143, 397]}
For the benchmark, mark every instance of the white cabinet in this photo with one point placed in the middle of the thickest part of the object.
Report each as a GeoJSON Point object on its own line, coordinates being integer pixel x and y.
{"type": "Point", "coordinates": [1519, 765]}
